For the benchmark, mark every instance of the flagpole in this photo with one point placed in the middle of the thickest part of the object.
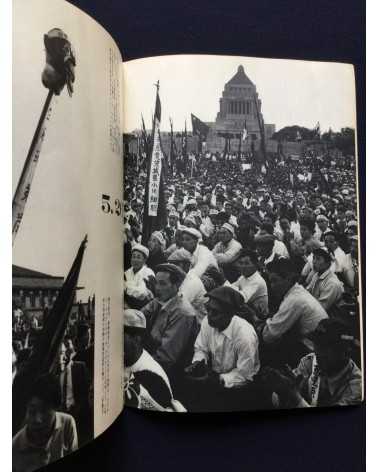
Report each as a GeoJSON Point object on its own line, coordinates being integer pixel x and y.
{"type": "Point", "coordinates": [30, 164]}
{"type": "Point", "coordinates": [58, 50]}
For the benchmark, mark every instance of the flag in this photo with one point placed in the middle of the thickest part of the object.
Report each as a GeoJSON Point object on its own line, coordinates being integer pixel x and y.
{"type": "Point", "coordinates": [144, 136]}
{"type": "Point", "coordinates": [44, 358]}
{"type": "Point", "coordinates": [199, 128]}
{"type": "Point", "coordinates": [185, 143]}
{"type": "Point", "coordinates": [154, 215]}
{"type": "Point", "coordinates": [261, 124]}
{"type": "Point", "coordinates": [244, 132]}
{"type": "Point", "coordinates": [172, 156]}
{"type": "Point", "coordinates": [317, 129]}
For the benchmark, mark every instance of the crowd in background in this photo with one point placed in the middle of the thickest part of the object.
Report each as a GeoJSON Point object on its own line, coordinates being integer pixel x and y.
{"type": "Point", "coordinates": [246, 296]}
{"type": "Point", "coordinates": [56, 416]}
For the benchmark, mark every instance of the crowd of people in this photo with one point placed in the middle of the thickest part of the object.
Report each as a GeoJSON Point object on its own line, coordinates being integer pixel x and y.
{"type": "Point", "coordinates": [52, 412]}
{"type": "Point", "coordinates": [247, 295]}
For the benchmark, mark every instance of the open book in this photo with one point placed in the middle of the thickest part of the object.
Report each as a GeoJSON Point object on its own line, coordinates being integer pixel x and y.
{"type": "Point", "coordinates": [185, 234]}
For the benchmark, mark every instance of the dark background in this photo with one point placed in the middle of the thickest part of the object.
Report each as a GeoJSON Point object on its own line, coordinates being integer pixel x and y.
{"type": "Point", "coordinates": [318, 440]}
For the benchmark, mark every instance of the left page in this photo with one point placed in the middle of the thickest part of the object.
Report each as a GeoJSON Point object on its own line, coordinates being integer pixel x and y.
{"type": "Point", "coordinates": [67, 231]}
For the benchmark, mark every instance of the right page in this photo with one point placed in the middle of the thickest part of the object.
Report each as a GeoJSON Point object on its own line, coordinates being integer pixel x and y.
{"type": "Point", "coordinates": [241, 235]}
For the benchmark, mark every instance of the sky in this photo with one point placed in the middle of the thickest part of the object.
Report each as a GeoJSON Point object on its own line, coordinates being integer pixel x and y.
{"type": "Point", "coordinates": [292, 92]}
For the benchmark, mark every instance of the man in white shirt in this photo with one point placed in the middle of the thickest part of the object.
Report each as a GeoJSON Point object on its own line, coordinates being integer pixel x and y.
{"type": "Point", "coordinates": [47, 434]}
{"type": "Point", "coordinates": [202, 258]}
{"type": "Point", "coordinates": [324, 285]}
{"type": "Point", "coordinates": [146, 385]}
{"type": "Point", "coordinates": [227, 208]}
{"type": "Point", "coordinates": [192, 287]}
{"type": "Point", "coordinates": [268, 248]}
{"type": "Point", "coordinates": [137, 278]}
{"type": "Point", "coordinates": [321, 228]}
{"type": "Point", "coordinates": [251, 284]}
{"type": "Point", "coordinates": [227, 249]}
{"type": "Point", "coordinates": [206, 227]}
{"type": "Point", "coordinates": [332, 244]}
{"type": "Point", "coordinates": [326, 377]}
{"type": "Point", "coordinates": [226, 356]}
{"type": "Point", "coordinates": [285, 334]}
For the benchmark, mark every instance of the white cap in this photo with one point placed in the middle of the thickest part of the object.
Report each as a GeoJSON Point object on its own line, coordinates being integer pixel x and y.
{"type": "Point", "coordinates": [141, 248]}
{"type": "Point", "coordinates": [192, 231]}
{"type": "Point", "coordinates": [229, 228]}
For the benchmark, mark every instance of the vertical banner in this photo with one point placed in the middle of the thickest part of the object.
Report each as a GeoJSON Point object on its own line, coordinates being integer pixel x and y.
{"type": "Point", "coordinates": [156, 164]}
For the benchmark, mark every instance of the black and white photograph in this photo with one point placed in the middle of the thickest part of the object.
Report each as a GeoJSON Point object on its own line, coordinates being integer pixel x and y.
{"type": "Point", "coordinates": [66, 232]}
{"type": "Point", "coordinates": [241, 235]}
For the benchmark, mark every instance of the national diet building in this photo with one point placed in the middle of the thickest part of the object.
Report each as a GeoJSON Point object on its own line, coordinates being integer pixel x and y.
{"type": "Point", "coordinates": [239, 105]}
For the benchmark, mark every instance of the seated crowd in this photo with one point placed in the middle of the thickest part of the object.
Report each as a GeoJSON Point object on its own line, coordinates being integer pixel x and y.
{"type": "Point", "coordinates": [244, 300]}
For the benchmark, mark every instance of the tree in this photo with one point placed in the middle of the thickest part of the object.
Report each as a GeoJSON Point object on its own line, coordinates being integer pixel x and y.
{"type": "Point", "coordinates": [290, 133]}
{"type": "Point", "coordinates": [344, 140]}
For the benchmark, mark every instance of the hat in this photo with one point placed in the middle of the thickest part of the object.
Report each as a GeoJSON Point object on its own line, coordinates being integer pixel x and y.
{"type": "Point", "coordinates": [191, 202]}
{"type": "Point", "coordinates": [174, 213]}
{"type": "Point", "coordinates": [159, 236]}
{"type": "Point", "coordinates": [174, 270]}
{"type": "Point", "coordinates": [180, 255]}
{"type": "Point", "coordinates": [142, 249]}
{"type": "Point", "coordinates": [352, 223]}
{"type": "Point", "coordinates": [192, 231]}
{"type": "Point", "coordinates": [321, 218]}
{"type": "Point", "coordinates": [229, 228]}
{"type": "Point", "coordinates": [213, 212]}
{"type": "Point", "coordinates": [322, 252]}
{"type": "Point", "coordinates": [330, 332]}
{"type": "Point", "coordinates": [134, 319]}
{"type": "Point", "coordinates": [229, 297]}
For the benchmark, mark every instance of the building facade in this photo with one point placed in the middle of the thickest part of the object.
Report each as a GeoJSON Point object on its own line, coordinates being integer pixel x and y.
{"type": "Point", "coordinates": [239, 106]}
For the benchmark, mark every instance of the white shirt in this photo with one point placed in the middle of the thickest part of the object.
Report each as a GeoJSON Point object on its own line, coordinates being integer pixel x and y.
{"type": "Point", "coordinates": [233, 220]}
{"type": "Point", "coordinates": [339, 264]}
{"type": "Point", "coordinates": [279, 250]}
{"type": "Point", "coordinates": [351, 267]}
{"type": "Point", "coordinates": [202, 258]}
{"type": "Point", "coordinates": [207, 227]}
{"type": "Point", "coordinates": [234, 352]}
{"type": "Point", "coordinates": [326, 288]}
{"type": "Point", "coordinates": [193, 289]}
{"type": "Point", "coordinates": [135, 284]}
{"type": "Point", "coordinates": [254, 291]}
{"type": "Point", "coordinates": [227, 253]}
{"type": "Point", "coordinates": [28, 457]}
{"type": "Point", "coordinates": [340, 260]}
{"type": "Point", "coordinates": [298, 310]}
